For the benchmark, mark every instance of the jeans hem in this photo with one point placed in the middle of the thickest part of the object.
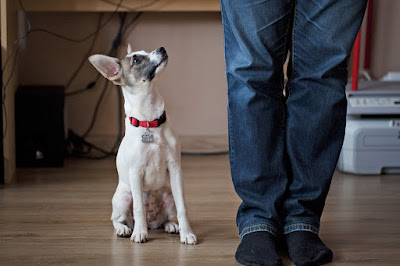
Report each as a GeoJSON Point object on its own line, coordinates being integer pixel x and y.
{"type": "Point", "coordinates": [300, 227]}
{"type": "Point", "coordinates": [258, 227]}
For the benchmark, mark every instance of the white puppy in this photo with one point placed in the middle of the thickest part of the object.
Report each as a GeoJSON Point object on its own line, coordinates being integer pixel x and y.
{"type": "Point", "coordinates": [149, 159]}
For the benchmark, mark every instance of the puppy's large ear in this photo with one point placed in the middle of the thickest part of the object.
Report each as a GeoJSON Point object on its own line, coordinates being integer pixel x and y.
{"type": "Point", "coordinates": [129, 49]}
{"type": "Point", "coordinates": [109, 67]}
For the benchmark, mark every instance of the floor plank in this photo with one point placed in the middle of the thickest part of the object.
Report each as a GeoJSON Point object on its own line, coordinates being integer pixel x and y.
{"type": "Point", "coordinates": [61, 216]}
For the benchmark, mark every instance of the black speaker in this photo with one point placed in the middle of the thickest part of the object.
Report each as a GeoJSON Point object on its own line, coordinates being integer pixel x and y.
{"type": "Point", "coordinates": [39, 126]}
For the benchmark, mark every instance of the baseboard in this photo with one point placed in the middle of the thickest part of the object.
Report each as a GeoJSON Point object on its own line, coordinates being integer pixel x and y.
{"type": "Point", "coordinates": [190, 145]}
{"type": "Point", "coordinates": [207, 145]}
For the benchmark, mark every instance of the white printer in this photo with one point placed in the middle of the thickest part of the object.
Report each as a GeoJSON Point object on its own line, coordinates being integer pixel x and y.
{"type": "Point", "coordinates": [372, 139]}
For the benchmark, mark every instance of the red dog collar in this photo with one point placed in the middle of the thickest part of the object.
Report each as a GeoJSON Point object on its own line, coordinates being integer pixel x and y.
{"type": "Point", "coordinates": [155, 123]}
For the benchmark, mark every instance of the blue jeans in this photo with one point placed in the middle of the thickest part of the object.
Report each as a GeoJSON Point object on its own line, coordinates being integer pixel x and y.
{"type": "Point", "coordinates": [283, 150]}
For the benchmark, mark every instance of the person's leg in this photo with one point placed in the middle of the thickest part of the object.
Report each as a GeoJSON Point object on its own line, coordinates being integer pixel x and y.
{"type": "Point", "coordinates": [323, 35]}
{"type": "Point", "coordinates": [256, 40]}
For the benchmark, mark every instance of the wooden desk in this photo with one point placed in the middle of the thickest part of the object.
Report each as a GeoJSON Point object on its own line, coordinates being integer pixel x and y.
{"type": "Point", "coordinates": [9, 33]}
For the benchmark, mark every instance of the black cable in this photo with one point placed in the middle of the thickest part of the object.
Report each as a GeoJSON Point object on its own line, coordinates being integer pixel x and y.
{"type": "Point", "coordinates": [132, 8]}
{"type": "Point", "coordinates": [79, 40]}
{"type": "Point", "coordinates": [118, 139]}
{"type": "Point", "coordinates": [13, 69]}
{"type": "Point", "coordinates": [96, 109]}
{"type": "Point", "coordinates": [131, 22]}
{"type": "Point", "coordinates": [88, 87]}
{"type": "Point", "coordinates": [5, 121]}
{"type": "Point", "coordinates": [4, 85]}
{"type": "Point", "coordinates": [19, 40]}
{"type": "Point", "coordinates": [84, 59]}
{"type": "Point", "coordinates": [115, 44]}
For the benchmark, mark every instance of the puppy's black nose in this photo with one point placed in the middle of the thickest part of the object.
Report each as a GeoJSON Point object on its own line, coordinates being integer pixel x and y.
{"type": "Point", "coordinates": [161, 50]}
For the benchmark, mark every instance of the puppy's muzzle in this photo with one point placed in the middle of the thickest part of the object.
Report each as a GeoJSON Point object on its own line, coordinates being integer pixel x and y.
{"type": "Point", "coordinates": [163, 54]}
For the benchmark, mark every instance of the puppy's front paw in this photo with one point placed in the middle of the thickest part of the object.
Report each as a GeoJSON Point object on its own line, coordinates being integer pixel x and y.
{"type": "Point", "coordinates": [139, 236]}
{"type": "Point", "coordinates": [171, 227]}
{"type": "Point", "coordinates": [123, 231]}
{"type": "Point", "coordinates": [188, 238]}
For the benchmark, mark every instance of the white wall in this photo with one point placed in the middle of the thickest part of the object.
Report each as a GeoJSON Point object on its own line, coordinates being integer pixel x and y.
{"type": "Point", "coordinates": [386, 37]}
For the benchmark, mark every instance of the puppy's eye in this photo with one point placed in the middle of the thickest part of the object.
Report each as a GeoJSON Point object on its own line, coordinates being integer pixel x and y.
{"type": "Point", "coordinates": [136, 60]}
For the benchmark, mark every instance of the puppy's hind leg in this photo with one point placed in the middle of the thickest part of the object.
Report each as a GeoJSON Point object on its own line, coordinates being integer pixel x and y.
{"type": "Point", "coordinates": [170, 225]}
{"type": "Point", "coordinates": [121, 216]}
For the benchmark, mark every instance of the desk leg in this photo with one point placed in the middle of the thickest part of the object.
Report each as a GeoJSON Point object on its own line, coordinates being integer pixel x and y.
{"type": "Point", "coordinates": [9, 33]}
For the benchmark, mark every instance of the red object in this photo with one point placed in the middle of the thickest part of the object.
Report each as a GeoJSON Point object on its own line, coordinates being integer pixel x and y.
{"type": "Point", "coordinates": [356, 62]}
{"type": "Point", "coordinates": [368, 35]}
{"type": "Point", "coordinates": [155, 123]}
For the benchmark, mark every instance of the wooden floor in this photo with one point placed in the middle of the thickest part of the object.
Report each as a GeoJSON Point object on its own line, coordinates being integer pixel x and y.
{"type": "Point", "coordinates": [61, 216]}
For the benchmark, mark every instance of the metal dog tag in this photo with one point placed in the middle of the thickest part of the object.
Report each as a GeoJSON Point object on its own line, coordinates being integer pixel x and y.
{"type": "Point", "coordinates": [147, 137]}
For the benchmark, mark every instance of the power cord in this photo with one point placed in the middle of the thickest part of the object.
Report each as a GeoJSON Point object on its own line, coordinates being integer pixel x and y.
{"type": "Point", "coordinates": [79, 40]}
{"type": "Point", "coordinates": [83, 61]}
{"type": "Point", "coordinates": [134, 8]}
